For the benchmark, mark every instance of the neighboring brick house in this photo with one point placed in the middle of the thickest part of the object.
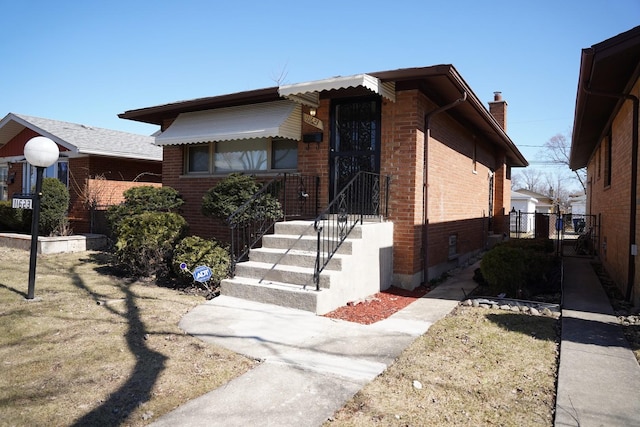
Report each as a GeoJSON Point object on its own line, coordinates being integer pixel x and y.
{"type": "Point", "coordinates": [449, 158]}
{"type": "Point", "coordinates": [95, 164]}
{"type": "Point", "coordinates": [605, 141]}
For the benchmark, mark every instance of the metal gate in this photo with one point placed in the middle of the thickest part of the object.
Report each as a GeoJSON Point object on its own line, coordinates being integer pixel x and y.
{"type": "Point", "coordinates": [573, 234]}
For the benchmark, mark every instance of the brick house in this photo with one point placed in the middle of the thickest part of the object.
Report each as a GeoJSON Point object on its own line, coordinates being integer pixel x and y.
{"type": "Point", "coordinates": [605, 141]}
{"type": "Point", "coordinates": [448, 157]}
{"type": "Point", "coordinates": [95, 164]}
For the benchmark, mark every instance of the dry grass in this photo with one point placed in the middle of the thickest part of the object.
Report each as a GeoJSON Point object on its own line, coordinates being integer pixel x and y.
{"type": "Point", "coordinates": [476, 367]}
{"type": "Point", "coordinates": [95, 349]}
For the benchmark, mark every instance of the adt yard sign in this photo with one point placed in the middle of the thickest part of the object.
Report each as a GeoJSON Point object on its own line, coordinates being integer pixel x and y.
{"type": "Point", "coordinates": [202, 273]}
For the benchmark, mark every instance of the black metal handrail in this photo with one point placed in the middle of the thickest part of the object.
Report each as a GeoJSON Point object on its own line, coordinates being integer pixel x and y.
{"type": "Point", "coordinates": [365, 196]}
{"type": "Point", "coordinates": [286, 196]}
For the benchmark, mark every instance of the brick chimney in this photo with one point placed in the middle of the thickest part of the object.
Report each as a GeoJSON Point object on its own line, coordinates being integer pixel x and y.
{"type": "Point", "coordinates": [498, 109]}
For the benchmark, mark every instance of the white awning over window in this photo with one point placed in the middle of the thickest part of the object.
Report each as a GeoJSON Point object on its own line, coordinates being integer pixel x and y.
{"type": "Point", "coordinates": [308, 93]}
{"type": "Point", "coordinates": [278, 119]}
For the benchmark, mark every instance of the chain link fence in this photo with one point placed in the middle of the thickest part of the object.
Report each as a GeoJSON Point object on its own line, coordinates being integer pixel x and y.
{"type": "Point", "coordinates": [570, 231]}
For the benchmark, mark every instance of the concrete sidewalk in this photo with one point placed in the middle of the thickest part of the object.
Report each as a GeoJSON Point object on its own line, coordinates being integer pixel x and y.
{"type": "Point", "coordinates": [599, 377]}
{"type": "Point", "coordinates": [311, 365]}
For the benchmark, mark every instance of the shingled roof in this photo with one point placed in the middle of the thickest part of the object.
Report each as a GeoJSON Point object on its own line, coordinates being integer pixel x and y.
{"type": "Point", "coordinates": [82, 139]}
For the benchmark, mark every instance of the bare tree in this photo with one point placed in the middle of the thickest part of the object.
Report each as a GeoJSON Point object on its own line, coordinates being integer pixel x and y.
{"type": "Point", "coordinates": [530, 179]}
{"type": "Point", "coordinates": [557, 150]}
{"type": "Point", "coordinates": [280, 77]}
{"type": "Point", "coordinates": [558, 190]}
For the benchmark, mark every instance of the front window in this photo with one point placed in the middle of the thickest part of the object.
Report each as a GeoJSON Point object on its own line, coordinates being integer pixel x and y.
{"type": "Point", "coordinates": [248, 155]}
{"type": "Point", "coordinates": [4, 175]}
{"type": "Point", "coordinates": [59, 170]}
{"type": "Point", "coordinates": [285, 154]}
{"type": "Point", "coordinates": [236, 156]}
{"type": "Point", "coordinates": [198, 158]}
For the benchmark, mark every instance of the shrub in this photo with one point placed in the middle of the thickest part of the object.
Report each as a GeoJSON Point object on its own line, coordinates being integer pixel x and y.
{"type": "Point", "coordinates": [54, 205]}
{"type": "Point", "coordinates": [143, 199]}
{"type": "Point", "coordinates": [195, 251]}
{"type": "Point", "coordinates": [232, 192]}
{"type": "Point", "coordinates": [520, 268]}
{"type": "Point", "coordinates": [11, 219]}
{"type": "Point", "coordinates": [503, 268]}
{"type": "Point", "coordinates": [145, 242]}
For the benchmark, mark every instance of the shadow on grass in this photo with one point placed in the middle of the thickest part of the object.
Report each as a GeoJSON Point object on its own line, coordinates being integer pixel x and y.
{"type": "Point", "coordinates": [22, 294]}
{"type": "Point", "coordinates": [540, 327]}
{"type": "Point", "coordinates": [149, 364]}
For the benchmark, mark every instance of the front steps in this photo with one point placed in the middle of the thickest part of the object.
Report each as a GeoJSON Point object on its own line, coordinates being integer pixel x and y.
{"type": "Point", "coordinates": [281, 271]}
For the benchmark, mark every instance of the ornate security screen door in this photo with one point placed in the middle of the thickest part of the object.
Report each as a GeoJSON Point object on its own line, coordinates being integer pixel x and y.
{"type": "Point", "coordinates": [355, 140]}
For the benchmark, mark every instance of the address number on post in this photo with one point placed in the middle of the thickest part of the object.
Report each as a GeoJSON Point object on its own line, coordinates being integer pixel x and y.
{"type": "Point", "coordinates": [21, 203]}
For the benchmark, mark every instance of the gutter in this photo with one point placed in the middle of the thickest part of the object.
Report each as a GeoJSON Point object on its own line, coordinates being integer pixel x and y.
{"type": "Point", "coordinates": [427, 137]}
{"type": "Point", "coordinates": [633, 247]}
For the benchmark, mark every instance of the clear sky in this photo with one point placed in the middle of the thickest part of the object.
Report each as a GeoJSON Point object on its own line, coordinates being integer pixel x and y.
{"type": "Point", "coordinates": [87, 61]}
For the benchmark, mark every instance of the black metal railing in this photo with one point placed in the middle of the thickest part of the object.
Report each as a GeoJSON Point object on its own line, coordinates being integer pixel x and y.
{"type": "Point", "coordinates": [285, 197]}
{"type": "Point", "coordinates": [366, 196]}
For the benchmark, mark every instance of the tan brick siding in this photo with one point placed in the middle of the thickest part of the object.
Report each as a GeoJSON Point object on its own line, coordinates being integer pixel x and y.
{"type": "Point", "coordinates": [611, 203]}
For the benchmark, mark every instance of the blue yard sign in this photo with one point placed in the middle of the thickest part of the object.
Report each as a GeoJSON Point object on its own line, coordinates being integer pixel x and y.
{"type": "Point", "coordinates": [202, 274]}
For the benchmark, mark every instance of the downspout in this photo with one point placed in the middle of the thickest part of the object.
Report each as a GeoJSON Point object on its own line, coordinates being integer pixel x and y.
{"type": "Point", "coordinates": [427, 137]}
{"type": "Point", "coordinates": [633, 248]}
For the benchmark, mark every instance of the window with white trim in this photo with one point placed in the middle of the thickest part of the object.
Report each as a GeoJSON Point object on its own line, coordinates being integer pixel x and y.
{"type": "Point", "coordinates": [4, 175]}
{"type": "Point", "coordinates": [247, 155]}
{"type": "Point", "coordinates": [59, 170]}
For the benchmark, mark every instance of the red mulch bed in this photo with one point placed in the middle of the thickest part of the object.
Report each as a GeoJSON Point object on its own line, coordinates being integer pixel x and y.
{"type": "Point", "coordinates": [379, 306]}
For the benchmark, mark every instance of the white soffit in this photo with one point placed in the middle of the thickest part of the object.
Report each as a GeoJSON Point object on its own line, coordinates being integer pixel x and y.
{"type": "Point", "coordinates": [308, 93]}
{"type": "Point", "coordinates": [280, 119]}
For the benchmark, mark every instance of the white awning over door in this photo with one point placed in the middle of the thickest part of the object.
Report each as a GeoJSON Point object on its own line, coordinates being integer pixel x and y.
{"type": "Point", "coordinates": [278, 119]}
{"type": "Point", "coordinates": [308, 93]}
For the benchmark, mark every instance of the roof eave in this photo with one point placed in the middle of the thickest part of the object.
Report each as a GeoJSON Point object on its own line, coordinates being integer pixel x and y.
{"type": "Point", "coordinates": [157, 114]}
{"type": "Point", "coordinates": [474, 111]}
{"type": "Point", "coordinates": [593, 113]}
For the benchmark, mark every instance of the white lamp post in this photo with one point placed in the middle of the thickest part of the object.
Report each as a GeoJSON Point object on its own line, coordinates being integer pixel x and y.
{"type": "Point", "coordinates": [40, 152]}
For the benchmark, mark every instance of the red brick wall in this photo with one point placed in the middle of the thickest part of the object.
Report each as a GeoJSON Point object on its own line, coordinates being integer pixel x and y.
{"type": "Point", "coordinates": [611, 203]}
{"type": "Point", "coordinates": [118, 173]}
{"type": "Point", "coordinates": [458, 195]}
{"type": "Point", "coordinates": [458, 191]}
{"type": "Point", "coordinates": [402, 160]}
{"type": "Point", "coordinates": [191, 189]}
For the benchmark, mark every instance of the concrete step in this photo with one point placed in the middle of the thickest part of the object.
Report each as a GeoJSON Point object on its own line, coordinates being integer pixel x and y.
{"type": "Point", "coordinates": [293, 257]}
{"type": "Point", "coordinates": [291, 274]}
{"type": "Point", "coordinates": [271, 292]}
{"type": "Point", "coordinates": [302, 243]}
{"type": "Point", "coordinates": [305, 228]}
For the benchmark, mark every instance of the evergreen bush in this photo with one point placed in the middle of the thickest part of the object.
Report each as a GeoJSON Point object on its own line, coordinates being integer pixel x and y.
{"type": "Point", "coordinates": [145, 242]}
{"type": "Point", "coordinates": [195, 251]}
{"type": "Point", "coordinates": [141, 199]}
{"type": "Point", "coordinates": [520, 268]}
{"type": "Point", "coordinates": [54, 205]}
{"type": "Point", "coordinates": [11, 219]}
{"type": "Point", "coordinates": [234, 191]}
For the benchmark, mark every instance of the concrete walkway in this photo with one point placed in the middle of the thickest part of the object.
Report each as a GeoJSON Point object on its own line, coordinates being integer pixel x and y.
{"type": "Point", "coordinates": [311, 365]}
{"type": "Point", "coordinates": [599, 377]}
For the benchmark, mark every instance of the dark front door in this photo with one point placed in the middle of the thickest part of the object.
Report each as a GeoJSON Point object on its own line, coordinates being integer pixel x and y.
{"type": "Point", "coordinates": [355, 140]}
